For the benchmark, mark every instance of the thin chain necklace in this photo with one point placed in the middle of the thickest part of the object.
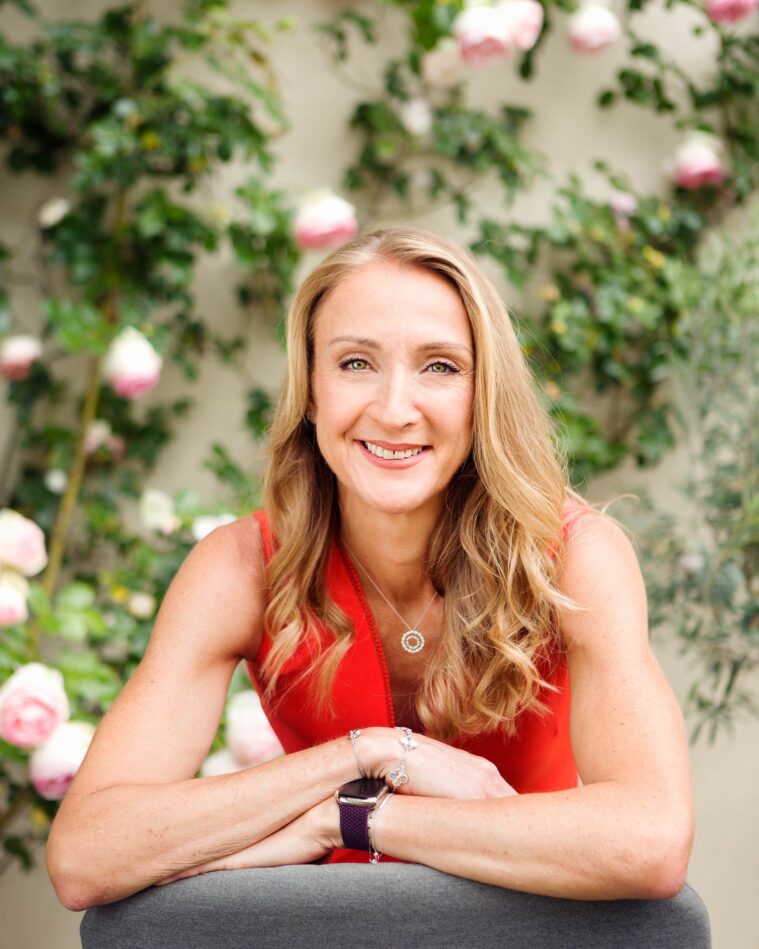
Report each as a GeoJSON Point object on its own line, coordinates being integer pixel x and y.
{"type": "Point", "coordinates": [412, 640]}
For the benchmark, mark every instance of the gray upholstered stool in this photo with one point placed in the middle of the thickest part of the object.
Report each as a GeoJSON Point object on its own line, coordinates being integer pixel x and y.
{"type": "Point", "coordinates": [388, 906]}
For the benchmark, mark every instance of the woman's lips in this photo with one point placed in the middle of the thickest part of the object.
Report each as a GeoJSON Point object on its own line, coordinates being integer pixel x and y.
{"type": "Point", "coordinates": [393, 462]}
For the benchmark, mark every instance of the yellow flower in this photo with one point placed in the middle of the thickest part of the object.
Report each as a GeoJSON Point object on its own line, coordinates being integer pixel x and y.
{"type": "Point", "coordinates": [663, 213]}
{"type": "Point", "coordinates": [119, 593]}
{"type": "Point", "coordinates": [39, 819]}
{"type": "Point", "coordinates": [654, 257]}
{"type": "Point", "coordinates": [559, 327]}
{"type": "Point", "coordinates": [150, 141]}
{"type": "Point", "coordinates": [549, 292]}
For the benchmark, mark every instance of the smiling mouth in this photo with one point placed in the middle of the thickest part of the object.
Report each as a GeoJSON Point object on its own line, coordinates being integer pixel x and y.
{"type": "Point", "coordinates": [390, 455]}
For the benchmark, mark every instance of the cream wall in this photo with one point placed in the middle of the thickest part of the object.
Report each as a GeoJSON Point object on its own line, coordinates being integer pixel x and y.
{"type": "Point", "coordinates": [725, 864]}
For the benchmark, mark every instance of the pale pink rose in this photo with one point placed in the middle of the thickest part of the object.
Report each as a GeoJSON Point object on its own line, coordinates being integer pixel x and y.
{"type": "Point", "coordinates": [484, 36]}
{"type": "Point", "coordinates": [141, 605]}
{"type": "Point", "coordinates": [525, 19]}
{"type": "Point", "coordinates": [17, 354]}
{"type": "Point", "coordinates": [156, 511]}
{"type": "Point", "coordinates": [698, 162]}
{"type": "Point", "coordinates": [623, 203]}
{"type": "Point", "coordinates": [250, 737]}
{"type": "Point", "coordinates": [33, 703]}
{"type": "Point", "coordinates": [13, 593]}
{"type": "Point", "coordinates": [221, 762]}
{"type": "Point", "coordinates": [730, 11]}
{"type": "Point", "coordinates": [324, 220]}
{"type": "Point", "coordinates": [53, 766]}
{"type": "Point", "coordinates": [443, 65]}
{"type": "Point", "coordinates": [99, 435]}
{"type": "Point", "coordinates": [592, 28]}
{"type": "Point", "coordinates": [416, 116]}
{"type": "Point", "coordinates": [22, 543]}
{"type": "Point", "coordinates": [132, 366]}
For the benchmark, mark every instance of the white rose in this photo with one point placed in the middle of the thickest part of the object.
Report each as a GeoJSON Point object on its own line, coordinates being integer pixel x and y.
{"type": "Point", "coordinates": [17, 353]}
{"type": "Point", "coordinates": [52, 212]}
{"type": "Point", "coordinates": [593, 27]}
{"type": "Point", "coordinates": [56, 480]}
{"type": "Point", "coordinates": [250, 737]}
{"type": "Point", "coordinates": [22, 543]}
{"type": "Point", "coordinates": [131, 365]}
{"type": "Point", "coordinates": [141, 605]}
{"type": "Point", "coordinates": [54, 764]}
{"type": "Point", "coordinates": [156, 511]}
{"type": "Point", "coordinates": [202, 526]}
{"type": "Point", "coordinates": [416, 116]}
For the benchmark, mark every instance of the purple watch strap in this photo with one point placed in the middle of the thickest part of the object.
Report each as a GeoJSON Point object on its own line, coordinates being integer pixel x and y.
{"type": "Point", "coordinates": [354, 825]}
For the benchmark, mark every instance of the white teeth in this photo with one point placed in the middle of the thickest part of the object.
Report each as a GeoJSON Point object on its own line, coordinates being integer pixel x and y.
{"type": "Point", "coordinates": [387, 454]}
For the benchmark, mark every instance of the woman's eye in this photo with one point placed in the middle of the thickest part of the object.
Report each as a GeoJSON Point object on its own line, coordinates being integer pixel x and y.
{"type": "Point", "coordinates": [355, 362]}
{"type": "Point", "coordinates": [440, 367]}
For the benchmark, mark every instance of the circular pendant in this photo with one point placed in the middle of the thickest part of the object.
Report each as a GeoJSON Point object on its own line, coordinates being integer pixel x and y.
{"type": "Point", "coordinates": [412, 640]}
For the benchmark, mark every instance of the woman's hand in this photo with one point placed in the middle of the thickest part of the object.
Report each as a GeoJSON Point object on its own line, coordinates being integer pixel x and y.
{"type": "Point", "coordinates": [306, 839]}
{"type": "Point", "coordinates": [434, 769]}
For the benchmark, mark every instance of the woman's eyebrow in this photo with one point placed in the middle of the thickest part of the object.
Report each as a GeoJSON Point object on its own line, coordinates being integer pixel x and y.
{"type": "Point", "coordinates": [423, 347]}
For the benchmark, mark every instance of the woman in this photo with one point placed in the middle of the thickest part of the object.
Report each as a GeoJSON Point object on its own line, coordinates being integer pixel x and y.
{"type": "Point", "coordinates": [419, 562]}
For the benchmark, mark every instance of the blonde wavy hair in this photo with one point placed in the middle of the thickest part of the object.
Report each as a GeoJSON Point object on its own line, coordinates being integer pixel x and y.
{"type": "Point", "coordinates": [496, 550]}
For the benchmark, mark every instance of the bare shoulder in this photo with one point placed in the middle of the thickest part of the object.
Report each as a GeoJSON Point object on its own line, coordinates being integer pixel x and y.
{"type": "Point", "coordinates": [221, 584]}
{"type": "Point", "coordinates": [601, 574]}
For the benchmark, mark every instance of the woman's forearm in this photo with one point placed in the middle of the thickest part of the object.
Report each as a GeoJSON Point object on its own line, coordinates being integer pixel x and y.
{"type": "Point", "coordinates": [119, 840]}
{"type": "Point", "coordinates": [599, 841]}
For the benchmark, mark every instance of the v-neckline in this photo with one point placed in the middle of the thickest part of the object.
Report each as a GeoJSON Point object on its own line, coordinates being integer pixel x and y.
{"type": "Point", "coordinates": [379, 648]}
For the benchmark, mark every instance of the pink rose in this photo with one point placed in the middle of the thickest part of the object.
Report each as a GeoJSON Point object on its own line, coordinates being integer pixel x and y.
{"type": "Point", "coordinates": [525, 19]}
{"type": "Point", "coordinates": [13, 593]}
{"type": "Point", "coordinates": [53, 766]}
{"type": "Point", "coordinates": [33, 703]}
{"type": "Point", "coordinates": [730, 11]}
{"type": "Point", "coordinates": [249, 735]}
{"type": "Point", "coordinates": [484, 35]}
{"type": "Point", "coordinates": [131, 366]}
{"type": "Point", "coordinates": [698, 162]}
{"type": "Point", "coordinates": [592, 28]}
{"type": "Point", "coordinates": [99, 435]}
{"type": "Point", "coordinates": [324, 220]}
{"type": "Point", "coordinates": [17, 354]}
{"type": "Point", "coordinates": [22, 543]}
{"type": "Point", "coordinates": [443, 65]}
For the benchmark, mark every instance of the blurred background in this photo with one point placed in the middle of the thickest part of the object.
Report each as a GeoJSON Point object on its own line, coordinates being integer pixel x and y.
{"type": "Point", "coordinates": [171, 171]}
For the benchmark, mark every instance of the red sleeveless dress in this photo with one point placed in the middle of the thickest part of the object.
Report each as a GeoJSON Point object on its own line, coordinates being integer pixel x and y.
{"type": "Point", "coordinates": [538, 758]}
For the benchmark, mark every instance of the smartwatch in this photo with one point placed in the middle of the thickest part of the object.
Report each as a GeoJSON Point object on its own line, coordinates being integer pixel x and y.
{"type": "Point", "coordinates": [356, 800]}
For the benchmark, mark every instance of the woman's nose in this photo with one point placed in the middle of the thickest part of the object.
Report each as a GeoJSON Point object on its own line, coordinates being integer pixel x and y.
{"type": "Point", "coordinates": [395, 405]}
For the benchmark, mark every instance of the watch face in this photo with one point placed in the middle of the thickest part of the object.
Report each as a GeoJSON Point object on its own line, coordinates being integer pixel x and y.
{"type": "Point", "coordinates": [362, 791]}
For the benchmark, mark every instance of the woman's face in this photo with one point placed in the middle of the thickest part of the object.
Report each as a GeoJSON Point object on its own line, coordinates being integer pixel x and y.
{"type": "Point", "coordinates": [393, 387]}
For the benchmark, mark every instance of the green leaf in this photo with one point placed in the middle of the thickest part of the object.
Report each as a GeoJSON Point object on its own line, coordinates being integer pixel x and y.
{"type": "Point", "coordinates": [75, 596]}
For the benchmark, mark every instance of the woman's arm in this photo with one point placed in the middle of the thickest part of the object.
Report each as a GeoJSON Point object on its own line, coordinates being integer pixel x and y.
{"type": "Point", "coordinates": [135, 813]}
{"type": "Point", "coordinates": [628, 832]}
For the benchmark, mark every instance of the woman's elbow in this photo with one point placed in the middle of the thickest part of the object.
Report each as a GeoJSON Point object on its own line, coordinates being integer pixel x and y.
{"type": "Point", "coordinates": [666, 874]}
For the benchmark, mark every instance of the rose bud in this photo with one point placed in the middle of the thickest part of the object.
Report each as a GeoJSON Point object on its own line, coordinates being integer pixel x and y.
{"type": "Point", "coordinates": [22, 543]}
{"type": "Point", "coordinates": [592, 28]}
{"type": "Point", "coordinates": [17, 354]}
{"type": "Point", "coordinates": [33, 703]}
{"type": "Point", "coordinates": [53, 766]}
{"type": "Point", "coordinates": [324, 220]}
{"type": "Point", "coordinates": [131, 366]}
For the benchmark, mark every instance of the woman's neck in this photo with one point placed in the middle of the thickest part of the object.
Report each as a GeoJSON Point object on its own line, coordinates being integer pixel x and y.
{"type": "Point", "coordinates": [391, 547]}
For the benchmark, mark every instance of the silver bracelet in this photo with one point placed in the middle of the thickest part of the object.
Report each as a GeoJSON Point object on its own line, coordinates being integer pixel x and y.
{"type": "Point", "coordinates": [374, 853]}
{"type": "Point", "coordinates": [399, 775]}
{"type": "Point", "coordinates": [354, 741]}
